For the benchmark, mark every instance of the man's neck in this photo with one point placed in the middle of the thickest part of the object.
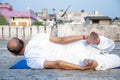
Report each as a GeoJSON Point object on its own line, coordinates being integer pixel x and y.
{"type": "Point", "coordinates": [98, 42]}
{"type": "Point", "coordinates": [23, 50]}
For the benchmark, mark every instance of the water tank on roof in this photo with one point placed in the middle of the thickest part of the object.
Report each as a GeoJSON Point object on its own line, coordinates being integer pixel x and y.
{"type": "Point", "coordinates": [96, 12]}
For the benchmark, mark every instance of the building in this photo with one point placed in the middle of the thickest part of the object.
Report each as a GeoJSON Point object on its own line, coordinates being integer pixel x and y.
{"type": "Point", "coordinates": [72, 17]}
{"type": "Point", "coordinates": [98, 20]}
{"type": "Point", "coordinates": [76, 17]}
{"type": "Point", "coordinates": [116, 21]}
{"type": "Point", "coordinates": [44, 17]}
{"type": "Point", "coordinates": [22, 18]}
{"type": "Point", "coordinates": [16, 18]}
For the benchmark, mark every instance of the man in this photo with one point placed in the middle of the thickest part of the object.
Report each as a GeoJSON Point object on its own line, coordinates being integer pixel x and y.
{"type": "Point", "coordinates": [44, 51]}
{"type": "Point", "coordinates": [101, 43]}
{"type": "Point", "coordinates": [38, 57]}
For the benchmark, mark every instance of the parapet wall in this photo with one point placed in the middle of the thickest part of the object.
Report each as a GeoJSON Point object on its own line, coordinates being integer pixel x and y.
{"type": "Point", "coordinates": [110, 31]}
{"type": "Point", "coordinates": [7, 32]}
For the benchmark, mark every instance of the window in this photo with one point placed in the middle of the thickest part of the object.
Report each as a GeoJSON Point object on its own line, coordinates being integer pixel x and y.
{"type": "Point", "coordinates": [13, 18]}
{"type": "Point", "coordinates": [50, 19]}
{"type": "Point", "coordinates": [22, 24]}
{"type": "Point", "coordinates": [44, 19]}
{"type": "Point", "coordinates": [95, 21]}
{"type": "Point", "coordinates": [13, 23]}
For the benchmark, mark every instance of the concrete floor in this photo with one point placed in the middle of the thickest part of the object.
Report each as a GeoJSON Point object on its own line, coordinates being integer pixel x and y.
{"type": "Point", "coordinates": [6, 60]}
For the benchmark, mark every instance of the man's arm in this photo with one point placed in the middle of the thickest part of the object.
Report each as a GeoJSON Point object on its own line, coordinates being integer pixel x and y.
{"type": "Point", "coordinates": [51, 65]}
{"type": "Point", "coordinates": [71, 66]}
{"type": "Point", "coordinates": [66, 65]}
{"type": "Point", "coordinates": [64, 40]}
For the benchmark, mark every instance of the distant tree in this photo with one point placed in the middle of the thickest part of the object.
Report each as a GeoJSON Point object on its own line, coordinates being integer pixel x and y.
{"type": "Point", "coordinates": [53, 9]}
{"type": "Point", "coordinates": [38, 23]}
{"type": "Point", "coordinates": [116, 18]}
{"type": "Point", "coordinates": [82, 10]}
{"type": "Point", "coordinates": [6, 3]}
{"type": "Point", "coordinates": [61, 10]}
{"type": "Point", "coordinates": [60, 21]}
{"type": "Point", "coordinates": [3, 20]}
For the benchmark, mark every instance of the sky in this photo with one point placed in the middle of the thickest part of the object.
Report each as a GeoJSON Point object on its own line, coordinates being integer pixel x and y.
{"type": "Point", "coordinates": [109, 8]}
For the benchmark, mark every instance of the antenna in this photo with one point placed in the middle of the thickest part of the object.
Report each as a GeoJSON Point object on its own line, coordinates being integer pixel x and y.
{"type": "Point", "coordinates": [56, 23]}
{"type": "Point", "coordinates": [65, 11]}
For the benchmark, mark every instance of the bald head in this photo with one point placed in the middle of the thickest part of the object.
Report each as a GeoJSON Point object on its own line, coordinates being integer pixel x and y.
{"type": "Point", "coordinates": [15, 45]}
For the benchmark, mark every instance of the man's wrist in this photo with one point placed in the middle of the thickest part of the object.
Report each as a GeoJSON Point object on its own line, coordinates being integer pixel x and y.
{"type": "Point", "coordinates": [84, 37]}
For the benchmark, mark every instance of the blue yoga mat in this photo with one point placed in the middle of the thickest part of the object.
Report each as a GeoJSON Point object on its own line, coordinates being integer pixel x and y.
{"type": "Point", "coordinates": [117, 67]}
{"type": "Point", "coordinates": [22, 64]}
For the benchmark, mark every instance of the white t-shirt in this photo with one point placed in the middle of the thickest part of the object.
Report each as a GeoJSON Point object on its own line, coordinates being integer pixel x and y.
{"type": "Point", "coordinates": [105, 61]}
{"type": "Point", "coordinates": [39, 49]}
{"type": "Point", "coordinates": [106, 45]}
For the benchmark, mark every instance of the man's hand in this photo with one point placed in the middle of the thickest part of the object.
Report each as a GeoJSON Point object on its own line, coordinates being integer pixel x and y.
{"type": "Point", "coordinates": [90, 64]}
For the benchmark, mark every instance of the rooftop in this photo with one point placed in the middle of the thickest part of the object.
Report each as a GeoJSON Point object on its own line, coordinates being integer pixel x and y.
{"type": "Point", "coordinates": [19, 14]}
{"type": "Point", "coordinates": [5, 5]}
{"type": "Point", "coordinates": [99, 17]}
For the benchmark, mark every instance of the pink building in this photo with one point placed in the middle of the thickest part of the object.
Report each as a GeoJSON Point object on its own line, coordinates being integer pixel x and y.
{"type": "Point", "coordinates": [16, 18]}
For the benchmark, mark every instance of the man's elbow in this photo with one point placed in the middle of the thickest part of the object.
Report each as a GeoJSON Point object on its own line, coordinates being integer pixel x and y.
{"type": "Point", "coordinates": [63, 41]}
{"type": "Point", "coordinates": [57, 40]}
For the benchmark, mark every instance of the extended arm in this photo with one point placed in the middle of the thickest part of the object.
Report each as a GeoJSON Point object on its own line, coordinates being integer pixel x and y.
{"type": "Point", "coordinates": [65, 65]}
{"type": "Point", "coordinates": [71, 66]}
{"type": "Point", "coordinates": [64, 40]}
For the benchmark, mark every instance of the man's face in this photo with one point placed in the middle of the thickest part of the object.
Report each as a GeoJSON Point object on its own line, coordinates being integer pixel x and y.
{"type": "Point", "coordinates": [91, 40]}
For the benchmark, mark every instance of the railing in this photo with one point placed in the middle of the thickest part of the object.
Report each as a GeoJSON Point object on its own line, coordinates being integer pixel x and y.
{"type": "Point", "coordinates": [7, 32]}
{"type": "Point", "coordinates": [110, 31]}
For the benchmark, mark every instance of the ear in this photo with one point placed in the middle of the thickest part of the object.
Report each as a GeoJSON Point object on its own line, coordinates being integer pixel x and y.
{"type": "Point", "coordinates": [14, 54]}
{"type": "Point", "coordinates": [23, 39]}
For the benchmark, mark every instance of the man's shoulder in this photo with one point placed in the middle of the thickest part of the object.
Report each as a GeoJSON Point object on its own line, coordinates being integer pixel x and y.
{"type": "Point", "coordinates": [105, 39]}
{"type": "Point", "coordinates": [40, 36]}
{"type": "Point", "coordinates": [102, 37]}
